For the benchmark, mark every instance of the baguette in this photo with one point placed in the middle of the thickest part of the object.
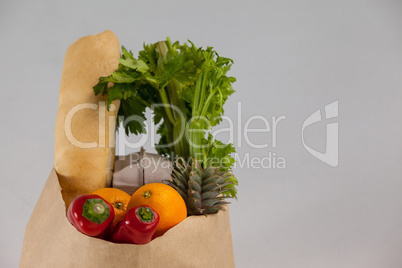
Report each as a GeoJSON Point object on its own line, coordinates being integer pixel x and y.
{"type": "Point", "coordinates": [85, 130]}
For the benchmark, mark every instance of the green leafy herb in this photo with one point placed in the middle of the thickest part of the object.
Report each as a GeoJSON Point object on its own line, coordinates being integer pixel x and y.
{"type": "Point", "coordinates": [186, 87]}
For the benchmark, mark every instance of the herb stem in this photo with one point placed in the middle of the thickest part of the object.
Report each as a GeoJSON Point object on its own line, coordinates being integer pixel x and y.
{"type": "Point", "coordinates": [197, 95]}
{"type": "Point", "coordinates": [166, 105]}
{"type": "Point", "coordinates": [147, 104]}
{"type": "Point", "coordinates": [203, 89]}
{"type": "Point", "coordinates": [207, 102]}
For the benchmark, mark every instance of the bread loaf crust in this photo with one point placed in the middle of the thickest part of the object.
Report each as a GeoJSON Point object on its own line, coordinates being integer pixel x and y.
{"type": "Point", "coordinates": [85, 130]}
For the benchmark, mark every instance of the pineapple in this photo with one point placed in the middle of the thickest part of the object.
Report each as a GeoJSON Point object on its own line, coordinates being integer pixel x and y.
{"type": "Point", "coordinates": [201, 189]}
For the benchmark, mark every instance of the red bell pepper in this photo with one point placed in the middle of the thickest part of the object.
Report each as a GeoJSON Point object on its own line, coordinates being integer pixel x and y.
{"type": "Point", "coordinates": [137, 227]}
{"type": "Point", "coordinates": [91, 215]}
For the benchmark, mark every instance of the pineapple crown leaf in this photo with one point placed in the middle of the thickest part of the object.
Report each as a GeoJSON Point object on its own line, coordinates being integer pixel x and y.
{"type": "Point", "coordinates": [227, 190]}
{"type": "Point", "coordinates": [204, 190]}
{"type": "Point", "coordinates": [194, 195]}
{"type": "Point", "coordinates": [211, 202]}
{"type": "Point", "coordinates": [181, 165]}
{"type": "Point", "coordinates": [214, 186]}
{"type": "Point", "coordinates": [212, 179]}
{"type": "Point", "coordinates": [179, 178]}
{"type": "Point", "coordinates": [209, 171]}
{"type": "Point", "coordinates": [208, 195]}
{"type": "Point", "coordinates": [216, 208]}
{"type": "Point", "coordinates": [196, 167]}
{"type": "Point", "coordinates": [210, 187]}
{"type": "Point", "coordinates": [212, 210]}
{"type": "Point", "coordinates": [194, 185]}
{"type": "Point", "coordinates": [227, 175]}
{"type": "Point", "coordinates": [196, 177]}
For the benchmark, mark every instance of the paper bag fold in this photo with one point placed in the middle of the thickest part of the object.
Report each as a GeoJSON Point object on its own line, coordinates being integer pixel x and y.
{"type": "Point", "coordinates": [85, 129]}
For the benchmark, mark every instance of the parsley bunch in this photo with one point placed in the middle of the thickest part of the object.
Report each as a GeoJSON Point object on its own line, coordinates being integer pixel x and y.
{"type": "Point", "coordinates": [186, 87]}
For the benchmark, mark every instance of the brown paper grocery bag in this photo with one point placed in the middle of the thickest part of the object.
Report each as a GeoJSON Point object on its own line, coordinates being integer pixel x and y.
{"type": "Point", "coordinates": [51, 241]}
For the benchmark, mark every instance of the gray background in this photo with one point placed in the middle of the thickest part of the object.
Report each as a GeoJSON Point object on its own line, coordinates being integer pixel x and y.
{"type": "Point", "coordinates": [291, 58]}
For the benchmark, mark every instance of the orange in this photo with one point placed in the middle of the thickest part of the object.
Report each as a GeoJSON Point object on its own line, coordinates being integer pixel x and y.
{"type": "Point", "coordinates": [118, 199]}
{"type": "Point", "coordinates": [165, 200]}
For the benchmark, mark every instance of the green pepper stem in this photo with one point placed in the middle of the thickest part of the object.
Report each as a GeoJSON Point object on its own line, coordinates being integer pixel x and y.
{"type": "Point", "coordinates": [145, 214]}
{"type": "Point", "coordinates": [98, 209]}
{"type": "Point", "coordinates": [95, 210]}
